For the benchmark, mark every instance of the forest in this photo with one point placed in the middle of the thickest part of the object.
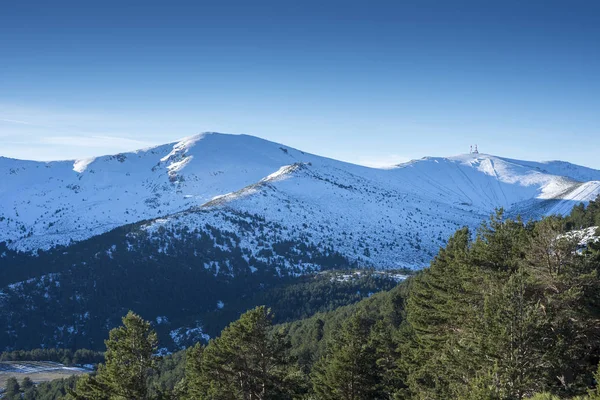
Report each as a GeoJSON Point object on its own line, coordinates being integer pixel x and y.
{"type": "Point", "coordinates": [511, 311]}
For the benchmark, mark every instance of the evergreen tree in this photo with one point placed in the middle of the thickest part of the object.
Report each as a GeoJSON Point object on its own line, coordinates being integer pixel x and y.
{"type": "Point", "coordinates": [565, 285]}
{"type": "Point", "coordinates": [548, 252]}
{"type": "Point", "coordinates": [387, 355]}
{"type": "Point", "coordinates": [26, 384]}
{"type": "Point", "coordinates": [349, 369]}
{"type": "Point", "coordinates": [499, 246]}
{"type": "Point", "coordinates": [248, 361]}
{"type": "Point", "coordinates": [515, 330]}
{"type": "Point", "coordinates": [28, 389]}
{"type": "Point", "coordinates": [194, 384]}
{"type": "Point", "coordinates": [511, 314]}
{"type": "Point", "coordinates": [443, 300]}
{"type": "Point", "coordinates": [130, 359]}
{"type": "Point", "coordinates": [12, 390]}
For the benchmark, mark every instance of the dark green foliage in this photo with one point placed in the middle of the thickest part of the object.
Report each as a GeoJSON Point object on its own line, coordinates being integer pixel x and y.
{"type": "Point", "coordinates": [170, 371]}
{"type": "Point", "coordinates": [509, 314]}
{"type": "Point", "coordinates": [584, 217]}
{"type": "Point", "coordinates": [295, 298]}
{"type": "Point", "coordinates": [56, 389]}
{"type": "Point", "coordinates": [129, 361]}
{"type": "Point", "coordinates": [248, 361]}
{"type": "Point", "coordinates": [349, 369]}
{"type": "Point", "coordinates": [26, 390]}
{"type": "Point", "coordinates": [512, 313]}
{"type": "Point", "coordinates": [27, 383]}
{"type": "Point", "coordinates": [180, 274]}
{"type": "Point", "coordinates": [439, 300]}
{"type": "Point", "coordinates": [63, 356]}
{"type": "Point", "coordinates": [310, 337]}
{"type": "Point", "coordinates": [12, 390]}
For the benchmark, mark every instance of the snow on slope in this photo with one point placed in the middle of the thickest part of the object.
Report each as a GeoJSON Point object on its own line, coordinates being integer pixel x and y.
{"type": "Point", "coordinates": [484, 181]}
{"type": "Point", "coordinates": [332, 208]}
{"type": "Point", "coordinates": [42, 204]}
{"type": "Point", "coordinates": [375, 214]}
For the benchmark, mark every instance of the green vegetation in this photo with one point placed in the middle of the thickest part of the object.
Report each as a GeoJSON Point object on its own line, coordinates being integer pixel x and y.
{"type": "Point", "coordinates": [248, 361]}
{"type": "Point", "coordinates": [130, 358]}
{"type": "Point", "coordinates": [63, 356]}
{"type": "Point", "coordinates": [27, 390]}
{"type": "Point", "coordinates": [511, 311]}
{"type": "Point", "coordinates": [74, 295]}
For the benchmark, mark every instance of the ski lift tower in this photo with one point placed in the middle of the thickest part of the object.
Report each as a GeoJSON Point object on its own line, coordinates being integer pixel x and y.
{"type": "Point", "coordinates": [475, 151]}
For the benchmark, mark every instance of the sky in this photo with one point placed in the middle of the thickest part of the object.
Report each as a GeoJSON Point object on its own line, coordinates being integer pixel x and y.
{"type": "Point", "coordinates": [369, 82]}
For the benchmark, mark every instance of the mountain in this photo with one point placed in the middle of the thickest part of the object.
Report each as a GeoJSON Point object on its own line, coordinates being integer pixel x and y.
{"type": "Point", "coordinates": [190, 233]}
{"type": "Point", "coordinates": [401, 215]}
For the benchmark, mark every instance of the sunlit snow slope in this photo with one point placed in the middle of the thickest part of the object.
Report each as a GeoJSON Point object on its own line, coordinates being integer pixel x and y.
{"type": "Point", "coordinates": [384, 217]}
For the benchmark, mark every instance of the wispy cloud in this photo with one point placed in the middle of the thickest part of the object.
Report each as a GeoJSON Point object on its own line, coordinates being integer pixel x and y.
{"type": "Point", "coordinates": [97, 142]}
{"type": "Point", "coordinates": [15, 121]}
{"type": "Point", "coordinates": [50, 134]}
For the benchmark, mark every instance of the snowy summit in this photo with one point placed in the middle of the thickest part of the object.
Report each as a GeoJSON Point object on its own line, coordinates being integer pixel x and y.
{"type": "Point", "coordinates": [386, 217]}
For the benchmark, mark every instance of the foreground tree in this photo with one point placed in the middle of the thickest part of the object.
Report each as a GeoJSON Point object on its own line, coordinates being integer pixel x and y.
{"type": "Point", "coordinates": [511, 314]}
{"type": "Point", "coordinates": [349, 369]}
{"type": "Point", "coordinates": [130, 359]}
{"type": "Point", "coordinates": [443, 300]}
{"type": "Point", "coordinates": [248, 361]}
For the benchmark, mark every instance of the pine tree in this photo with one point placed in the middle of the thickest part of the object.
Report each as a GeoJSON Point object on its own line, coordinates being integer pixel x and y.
{"type": "Point", "coordinates": [130, 359]}
{"type": "Point", "coordinates": [387, 355]}
{"type": "Point", "coordinates": [90, 387]}
{"type": "Point", "coordinates": [28, 388]}
{"type": "Point", "coordinates": [443, 300]}
{"type": "Point", "coordinates": [499, 246]}
{"type": "Point", "coordinates": [12, 389]}
{"type": "Point", "coordinates": [548, 252]}
{"type": "Point", "coordinates": [509, 315]}
{"type": "Point", "coordinates": [349, 370]}
{"type": "Point", "coordinates": [26, 383]}
{"type": "Point", "coordinates": [566, 286]}
{"type": "Point", "coordinates": [248, 361]}
{"type": "Point", "coordinates": [195, 384]}
{"type": "Point", "coordinates": [516, 329]}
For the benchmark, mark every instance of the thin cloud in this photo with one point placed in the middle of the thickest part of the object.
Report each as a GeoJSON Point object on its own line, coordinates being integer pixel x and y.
{"type": "Point", "coordinates": [15, 121]}
{"type": "Point", "coordinates": [96, 142]}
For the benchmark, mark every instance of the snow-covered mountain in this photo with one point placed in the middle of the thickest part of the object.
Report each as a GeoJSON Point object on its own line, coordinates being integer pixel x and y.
{"type": "Point", "coordinates": [382, 217]}
{"type": "Point", "coordinates": [192, 233]}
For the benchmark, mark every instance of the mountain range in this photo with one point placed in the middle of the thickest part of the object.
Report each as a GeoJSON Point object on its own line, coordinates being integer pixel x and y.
{"type": "Point", "coordinates": [177, 231]}
{"type": "Point", "coordinates": [400, 214]}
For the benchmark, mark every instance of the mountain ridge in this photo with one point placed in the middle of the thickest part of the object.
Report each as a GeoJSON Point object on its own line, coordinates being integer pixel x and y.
{"type": "Point", "coordinates": [45, 204]}
{"type": "Point", "coordinates": [216, 218]}
{"type": "Point", "coordinates": [53, 203]}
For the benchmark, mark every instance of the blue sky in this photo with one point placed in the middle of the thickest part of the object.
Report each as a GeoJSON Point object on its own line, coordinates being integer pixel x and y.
{"type": "Point", "coordinates": [370, 82]}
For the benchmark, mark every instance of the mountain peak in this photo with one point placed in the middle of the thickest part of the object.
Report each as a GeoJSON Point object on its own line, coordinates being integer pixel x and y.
{"type": "Point", "coordinates": [43, 204]}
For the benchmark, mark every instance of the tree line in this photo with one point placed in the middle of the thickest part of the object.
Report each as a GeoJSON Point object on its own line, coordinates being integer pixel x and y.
{"type": "Point", "coordinates": [511, 311]}
{"type": "Point", "coordinates": [64, 356]}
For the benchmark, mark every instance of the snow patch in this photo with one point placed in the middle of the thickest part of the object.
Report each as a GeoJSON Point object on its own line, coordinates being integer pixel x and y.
{"type": "Point", "coordinates": [81, 165]}
{"type": "Point", "coordinates": [183, 145]}
{"type": "Point", "coordinates": [185, 336]}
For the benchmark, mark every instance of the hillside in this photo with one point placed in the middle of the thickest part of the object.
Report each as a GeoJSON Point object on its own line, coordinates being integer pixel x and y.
{"type": "Point", "coordinates": [382, 217]}
{"type": "Point", "coordinates": [190, 233]}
